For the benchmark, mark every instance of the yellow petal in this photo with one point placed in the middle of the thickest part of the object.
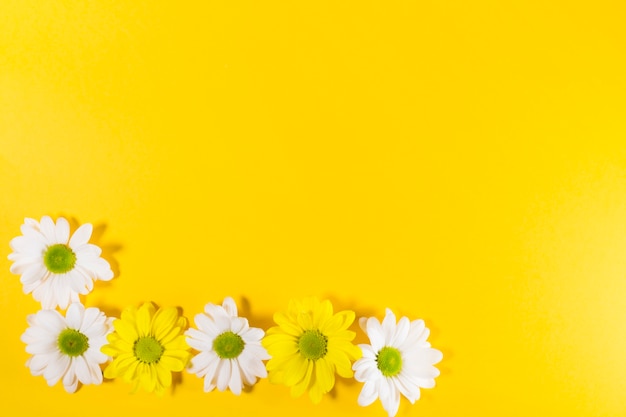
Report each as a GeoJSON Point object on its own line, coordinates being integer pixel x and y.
{"type": "Point", "coordinates": [298, 389]}
{"type": "Point", "coordinates": [129, 315]}
{"type": "Point", "coordinates": [144, 319]}
{"type": "Point", "coordinates": [295, 369]}
{"type": "Point", "coordinates": [305, 321]}
{"type": "Point", "coordinates": [278, 362]}
{"type": "Point", "coordinates": [341, 362]}
{"type": "Point", "coordinates": [173, 362]}
{"type": "Point", "coordinates": [322, 314]}
{"type": "Point", "coordinates": [131, 372]}
{"type": "Point", "coordinates": [287, 325]}
{"type": "Point", "coordinates": [352, 351]}
{"type": "Point", "coordinates": [119, 366]}
{"type": "Point", "coordinates": [170, 336]}
{"type": "Point", "coordinates": [276, 377]}
{"type": "Point", "coordinates": [340, 321]}
{"type": "Point", "coordinates": [281, 346]}
{"type": "Point", "coordinates": [148, 377]}
{"type": "Point", "coordinates": [125, 330]}
{"type": "Point", "coordinates": [163, 322]}
{"type": "Point", "coordinates": [324, 375]}
{"type": "Point", "coordinates": [164, 376]}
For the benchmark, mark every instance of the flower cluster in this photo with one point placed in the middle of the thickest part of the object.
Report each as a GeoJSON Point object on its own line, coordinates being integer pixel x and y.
{"type": "Point", "coordinates": [309, 346]}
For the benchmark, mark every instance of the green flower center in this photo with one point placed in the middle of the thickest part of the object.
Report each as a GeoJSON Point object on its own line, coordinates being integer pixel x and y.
{"type": "Point", "coordinates": [228, 345]}
{"type": "Point", "coordinates": [148, 350]}
{"type": "Point", "coordinates": [72, 342]}
{"type": "Point", "coordinates": [389, 361]}
{"type": "Point", "coordinates": [59, 258]}
{"type": "Point", "coordinates": [313, 344]}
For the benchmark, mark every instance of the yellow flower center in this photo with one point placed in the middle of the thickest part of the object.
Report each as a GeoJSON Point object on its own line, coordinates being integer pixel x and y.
{"type": "Point", "coordinates": [389, 361]}
{"type": "Point", "coordinates": [228, 345]}
{"type": "Point", "coordinates": [313, 344]}
{"type": "Point", "coordinates": [72, 342]}
{"type": "Point", "coordinates": [59, 258]}
{"type": "Point", "coordinates": [148, 350]}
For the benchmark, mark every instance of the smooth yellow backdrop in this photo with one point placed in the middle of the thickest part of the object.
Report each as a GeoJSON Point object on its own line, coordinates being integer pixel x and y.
{"type": "Point", "coordinates": [458, 161]}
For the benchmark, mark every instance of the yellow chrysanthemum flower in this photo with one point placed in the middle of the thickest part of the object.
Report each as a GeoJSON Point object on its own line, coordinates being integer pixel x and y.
{"type": "Point", "coordinates": [147, 346]}
{"type": "Point", "coordinates": [309, 345]}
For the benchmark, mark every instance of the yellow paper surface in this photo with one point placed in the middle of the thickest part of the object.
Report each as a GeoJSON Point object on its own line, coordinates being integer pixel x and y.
{"type": "Point", "coordinates": [463, 162]}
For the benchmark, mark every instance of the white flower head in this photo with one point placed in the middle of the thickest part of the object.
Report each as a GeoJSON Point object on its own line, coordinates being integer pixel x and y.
{"type": "Point", "coordinates": [67, 348]}
{"type": "Point", "coordinates": [399, 360]}
{"type": "Point", "coordinates": [230, 352]}
{"type": "Point", "coordinates": [55, 266]}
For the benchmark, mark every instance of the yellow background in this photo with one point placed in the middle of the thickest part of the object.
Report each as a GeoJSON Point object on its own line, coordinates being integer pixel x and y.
{"type": "Point", "coordinates": [458, 161]}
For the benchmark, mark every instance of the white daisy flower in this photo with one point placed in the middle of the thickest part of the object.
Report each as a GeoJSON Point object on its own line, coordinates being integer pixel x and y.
{"type": "Point", "coordinates": [231, 354]}
{"type": "Point", "coordinates": [399, 360]}
{"type": "Point", "coordinates": [67, 348]}
{"type": "Point", "coordinates": [55, 267]}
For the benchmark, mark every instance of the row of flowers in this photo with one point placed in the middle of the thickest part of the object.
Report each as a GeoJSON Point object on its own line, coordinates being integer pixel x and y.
{"type": "Point", "coordinates": [308, 347]}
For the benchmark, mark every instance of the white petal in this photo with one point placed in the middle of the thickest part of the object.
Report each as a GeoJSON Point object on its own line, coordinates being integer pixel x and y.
{"type": "Point", "coordinates": [70, 382]}
{"type": "Point", "coordinates": [222, 323]}
{"type": "Point", "coordinates": [410, 390]}
{"type": "Point", "coordinates": [206, 325]}
{"type": "Point", "coordinates": [101, 269]}
{"type": "Point", "coordinates": [423, 356]}
{"type": "Point", "coordinates": [235, 383]}
{"type": "Point", "coordinates": [210, 380]}
{"type": "Point", "coordinates": [368, 351]}
{"type": "Point", "coordinates": [51, 320]}
{"type": "Point", "coordinates": [81, 235]}
{"type": "Point", "coordinates": [42, 348]}
{"type": "Point", "coordinates": [389, 396]}
{"type": "Point", "coordinates": [199, 363]}
{"type": "Point", "coordinates": [402, 331]}
{"type": "Point", "coordinates": [74, 316]}
{"type": "Point", "coordinates": [56, 369]}
{"type": "Point", "coordinates": [417, 334]}
{"type": "Point", "coordinates": [62, 230]}
{"type": "Point", "coordinates": [82, 370]}
{"type": "Point", "coordinates": [375, 334]}
{"type": "Point", "coordinates": [252, 335]}
{"type": "Point", "coordinates": [87, 252]}
{"type": "Point", "coordinates": [215, 311]}
{"type": "Point", "coordinates": [251, 368]}
{"type": "Point", "coordinates": [95, 372]}
{"type": "Point", "coordinates": [38, 363]}
{"type": "Point", "coordinates": [363, 324]}
{"type": "Point", "coordinates": [93, 355]}
{"type": "Point", "coordinates": [28, 247]}
{"type": "Point", "coordinates": [365, 369]}
{"type": "Point", "coordinates": [223, 375]}
{"type": "Point", "coordinates": [62, 291]}
{"type": "Point", "coordinates": [22, 262]}
{"type": "Point", "coordinates": [46, 226]}
{"type": "Point", "coordinates": [368, 394]}
{"type": "Point", "coordinates": [238, 324]}
{"type": "Point", "coordinates": [389, 326]}
{"type": "Point", "coordinates": [93, 321]}
{"type": "Point", "coordinates": [33, 273]}
{"type": "Point", "coordinates": [256, 350]}
{"type": "Point", "coordinates": [198, 340]}
{"type": "Point", "coordinates": [230, 307]}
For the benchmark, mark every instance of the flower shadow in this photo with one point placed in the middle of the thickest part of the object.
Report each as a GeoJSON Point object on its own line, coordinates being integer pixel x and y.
{"type": "Point", "coordinates": [260, 321]}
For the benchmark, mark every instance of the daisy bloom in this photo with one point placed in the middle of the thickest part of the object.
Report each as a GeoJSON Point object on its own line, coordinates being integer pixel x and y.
{"type": "Point", "coordinates": [309, 345]}
{"type": "Point", "coordinates": [55, 266]}
{"type": "Point", "coordinates": [231, 354]}
{"type": "Point", "coordinates": [67, 348]}
{"type": "Point", "coordinates": [399, 360]}
{"type": "Point", "coordinates": [147, 345]}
